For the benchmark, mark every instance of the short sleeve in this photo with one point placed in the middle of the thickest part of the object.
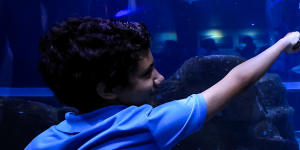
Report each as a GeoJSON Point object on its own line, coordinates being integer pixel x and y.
{"type": "Point", "coordinates": [173, 121]}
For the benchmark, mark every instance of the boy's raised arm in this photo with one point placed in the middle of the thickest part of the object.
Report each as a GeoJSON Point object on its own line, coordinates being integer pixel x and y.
{"type": "Point", "coordinates": [245, 74]}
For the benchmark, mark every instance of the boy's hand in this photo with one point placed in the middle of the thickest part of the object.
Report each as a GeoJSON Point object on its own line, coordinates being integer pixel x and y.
{"type": "Point", "coordinates": [293, 41]}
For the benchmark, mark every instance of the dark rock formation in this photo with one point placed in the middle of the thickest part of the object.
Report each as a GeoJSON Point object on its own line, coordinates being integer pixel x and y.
{"type": "Point", "coordinates": [257, 119]}
{"type": "Point", "coordinates": [21, 120]}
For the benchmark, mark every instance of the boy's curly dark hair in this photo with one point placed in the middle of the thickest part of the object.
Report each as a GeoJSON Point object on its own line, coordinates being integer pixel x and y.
{"type": "Point", "coordinates": [81, 52]}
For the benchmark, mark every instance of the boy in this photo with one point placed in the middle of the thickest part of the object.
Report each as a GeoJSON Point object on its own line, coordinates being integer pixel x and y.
{"type": "Point", "coordinates": [105, 69]}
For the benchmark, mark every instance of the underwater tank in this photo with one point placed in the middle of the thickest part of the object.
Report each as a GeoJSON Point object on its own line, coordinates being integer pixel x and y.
{"type": "Point", "coordinates": [194, 44]}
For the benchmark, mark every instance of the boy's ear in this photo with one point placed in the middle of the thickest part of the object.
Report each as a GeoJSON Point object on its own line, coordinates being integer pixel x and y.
{"type": "Point", "coordinates": [105, 93]}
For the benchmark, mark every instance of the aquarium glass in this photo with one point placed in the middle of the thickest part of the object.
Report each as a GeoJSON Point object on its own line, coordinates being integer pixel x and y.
{"type": "Point", "coordinates": [180, 29]}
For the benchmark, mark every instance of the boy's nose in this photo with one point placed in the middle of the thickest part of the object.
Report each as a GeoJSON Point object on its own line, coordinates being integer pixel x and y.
{"type": "Point", "coordinates": [159, 78]}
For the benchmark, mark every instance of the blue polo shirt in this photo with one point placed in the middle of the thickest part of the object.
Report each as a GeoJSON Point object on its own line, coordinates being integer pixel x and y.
{"type": "Point", "coordinates": [123, 127]}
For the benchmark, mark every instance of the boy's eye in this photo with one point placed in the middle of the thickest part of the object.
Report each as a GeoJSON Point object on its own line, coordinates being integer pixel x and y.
{"type": "Point", "coordinates": [148, 74]}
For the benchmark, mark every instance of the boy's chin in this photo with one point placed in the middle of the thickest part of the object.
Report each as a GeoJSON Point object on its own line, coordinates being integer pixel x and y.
{"type": "Point", "coordinates": [153, 101]}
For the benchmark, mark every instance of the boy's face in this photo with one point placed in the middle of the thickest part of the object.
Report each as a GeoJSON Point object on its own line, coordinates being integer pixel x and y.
{"type": "Point", "coordinates": [143, 84]}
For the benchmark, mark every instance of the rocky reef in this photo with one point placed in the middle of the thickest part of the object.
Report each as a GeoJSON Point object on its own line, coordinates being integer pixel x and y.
{"type": "Point", "coordinates": [257, 119]}
{"type": "Point", "coordinates": [22, 119]}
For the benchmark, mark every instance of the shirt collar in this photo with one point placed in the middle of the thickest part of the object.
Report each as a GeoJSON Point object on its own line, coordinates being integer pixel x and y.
{"type": "Point", "coordinates": [76, 123]}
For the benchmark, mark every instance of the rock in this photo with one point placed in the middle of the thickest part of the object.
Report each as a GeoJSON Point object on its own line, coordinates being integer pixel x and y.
{"type": "Point", "coordinates": [257, 119]}
{"type": "Point", "coordinates": [22, 120]}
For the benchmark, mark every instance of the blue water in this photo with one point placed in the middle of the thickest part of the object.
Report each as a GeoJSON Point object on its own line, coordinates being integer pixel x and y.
{"type": "Point", "coordinates": [180, 29]}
